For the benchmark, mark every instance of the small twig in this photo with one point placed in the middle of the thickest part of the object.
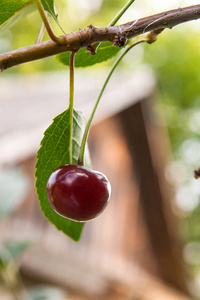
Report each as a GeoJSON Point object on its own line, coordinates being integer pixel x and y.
{"type": "Point", "coordinates": [92, 48]}
{"type": "Point", "coordinates": [40, 34]}
{"type": "Point", "coordinates": [85, 37]}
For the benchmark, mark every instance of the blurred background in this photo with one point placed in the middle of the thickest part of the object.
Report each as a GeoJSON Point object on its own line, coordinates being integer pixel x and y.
{"type": "Point", "coordinates": [145, 138]}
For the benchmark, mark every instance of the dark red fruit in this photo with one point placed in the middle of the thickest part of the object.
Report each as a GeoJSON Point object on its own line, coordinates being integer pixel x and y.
{"type": "Point", "coordinates": [78, 193]}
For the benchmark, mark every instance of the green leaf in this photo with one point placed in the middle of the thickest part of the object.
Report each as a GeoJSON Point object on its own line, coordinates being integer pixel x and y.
{"type": "Point", "coordinates": [11, 11]}
{"type": "Point", "coordinates": [10, 251]}
{"type": "Point", "coordinates": [9, 8]}
{"type": "Point", "coordinates": [54, 152]}
{"type": "Point", "coordinates": [84, 59]}
{"type": "Point", "coordinates": [43, 292]}
{"type": "Point", "coordinates": [50, 8]}
{"type": "Point", "coordinates": [1, 263]}
{"type": "Point", "coordinates": [12, 195]}
{"type": "Point", "coordinates": [16, 248]}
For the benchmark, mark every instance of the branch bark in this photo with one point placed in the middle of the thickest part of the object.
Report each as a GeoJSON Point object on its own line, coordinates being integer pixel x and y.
{"type": "Point", "coordinates": [118, 35]}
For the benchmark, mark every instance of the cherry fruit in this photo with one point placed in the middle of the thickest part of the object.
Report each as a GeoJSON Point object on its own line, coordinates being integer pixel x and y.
{"type": "Point", "coordinates": [78, 193]}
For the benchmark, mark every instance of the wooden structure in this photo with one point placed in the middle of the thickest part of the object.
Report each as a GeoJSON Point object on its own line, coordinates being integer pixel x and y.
{"type": "Point", "coordinates": [132, 250]}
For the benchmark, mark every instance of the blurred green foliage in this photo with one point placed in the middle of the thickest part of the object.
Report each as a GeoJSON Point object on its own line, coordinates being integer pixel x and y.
{"type": "Point", "coordinates": [175, 59]}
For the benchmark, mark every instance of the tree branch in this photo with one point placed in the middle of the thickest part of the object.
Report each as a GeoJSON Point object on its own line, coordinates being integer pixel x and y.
{"type": "Point", "coordinates": [118, 35]}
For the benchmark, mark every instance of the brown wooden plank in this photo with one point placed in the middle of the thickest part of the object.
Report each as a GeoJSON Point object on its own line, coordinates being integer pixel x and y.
{"type": "Point", "coordinates": [155, 204]}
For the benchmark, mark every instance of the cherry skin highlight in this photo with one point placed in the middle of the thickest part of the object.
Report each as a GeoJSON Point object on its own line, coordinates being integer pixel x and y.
{"type": "Point", "coordinates": [78, 193]}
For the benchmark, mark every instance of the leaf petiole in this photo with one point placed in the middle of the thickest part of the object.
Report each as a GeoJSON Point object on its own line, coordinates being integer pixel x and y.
{"type": "Point", "coordinates": [120, 13]}
{"type": "Point", "coordinates": [137, 41]}
{"type": "Point", "coordinates": [57, 39]}
{"type": "Point", "coordinates": [71, 99]}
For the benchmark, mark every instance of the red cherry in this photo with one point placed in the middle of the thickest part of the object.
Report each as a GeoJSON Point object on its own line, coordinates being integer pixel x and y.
{"type": "Point", "coordinates": [78, 193]}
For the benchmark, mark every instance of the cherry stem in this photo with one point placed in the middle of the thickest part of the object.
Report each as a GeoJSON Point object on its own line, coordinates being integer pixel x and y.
{"type": "Point", "coordinates": [47, 24]}
{"type": "Point", "coordinates": [120, 13]}
{"type": "Point", "coordinates": [71, 99]}
{"type": "Point", "coordinates": [137, 41]}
